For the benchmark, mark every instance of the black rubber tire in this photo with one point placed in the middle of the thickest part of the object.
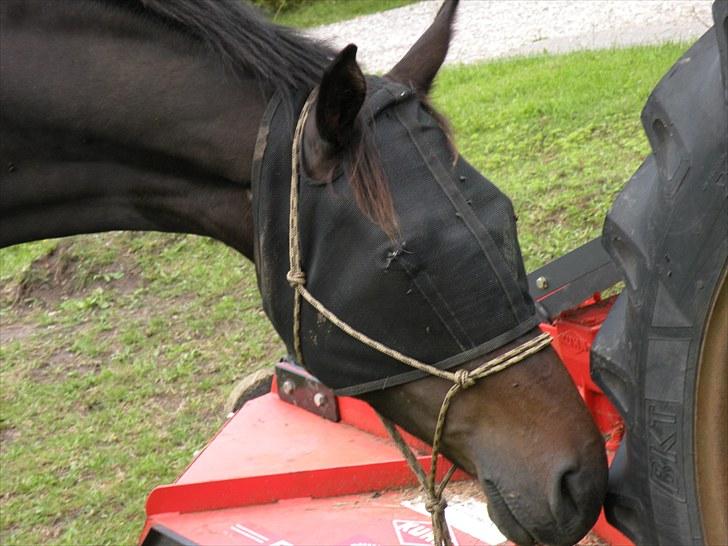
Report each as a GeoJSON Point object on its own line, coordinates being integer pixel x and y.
{"type": "Point", "coordinates": [660, 355]}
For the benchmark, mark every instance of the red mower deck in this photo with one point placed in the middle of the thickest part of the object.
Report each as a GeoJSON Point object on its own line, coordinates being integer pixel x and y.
{"type": "Point", "coordinates": [276, 474]}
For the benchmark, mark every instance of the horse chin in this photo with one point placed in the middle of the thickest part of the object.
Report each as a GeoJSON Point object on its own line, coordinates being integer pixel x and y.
{"type": "Point", "coordinates": [503, 517]}
{"type": "Point", "coordinates": [520, 531]}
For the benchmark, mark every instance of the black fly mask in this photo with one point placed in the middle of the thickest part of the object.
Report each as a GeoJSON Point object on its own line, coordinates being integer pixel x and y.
{"type": "Point", "coordinates": [452, 287]}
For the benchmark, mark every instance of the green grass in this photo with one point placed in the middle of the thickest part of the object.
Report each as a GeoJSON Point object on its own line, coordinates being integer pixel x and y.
{"type": "Point", "coordinates": [559, 134]}
{"type": "Point", "coordinates": [15, 259]}
{"type": "Point", "coordinates": [113, 380]}
{"type": "Point", "coordinates": [323, 12]}
{"type": "Point", "coordinates": [117, 351]}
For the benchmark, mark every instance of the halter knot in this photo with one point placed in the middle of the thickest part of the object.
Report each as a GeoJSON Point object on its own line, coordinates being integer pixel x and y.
{"type": "Point", "coordinates": [436, 505]}
{"type": "Point", "coordinates": [296, 278]}
{"type": "Point", "coordinates": [462, 378]}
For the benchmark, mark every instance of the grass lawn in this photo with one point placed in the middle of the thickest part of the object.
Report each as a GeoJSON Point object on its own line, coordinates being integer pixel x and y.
{"type": "Point", "coordinates": [323, 12]}
{"type": "Point", "coordinates": [559, 134]}
{"type": "Point", "coordinates": [117, 351]}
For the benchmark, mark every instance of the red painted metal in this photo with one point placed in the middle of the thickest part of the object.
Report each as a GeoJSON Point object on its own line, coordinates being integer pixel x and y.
{"type": "Point", "coordinates": [274, 451]}
{"type": "Point", "coordinates": [346, 520]}
{"type": "Point", "coordinates": [279, 473]}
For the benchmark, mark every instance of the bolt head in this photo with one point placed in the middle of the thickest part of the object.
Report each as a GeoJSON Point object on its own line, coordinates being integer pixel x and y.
{"type": "Point", "coordinates": [288, 387]}
{"type": "Point", "coordinates": [542, 283]}
{"type": "Point", "coordinates": [319, 399]}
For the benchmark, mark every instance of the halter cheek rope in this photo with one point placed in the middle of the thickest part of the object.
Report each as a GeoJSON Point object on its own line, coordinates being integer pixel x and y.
{"type": "Point", "coordinates": [461, 379]}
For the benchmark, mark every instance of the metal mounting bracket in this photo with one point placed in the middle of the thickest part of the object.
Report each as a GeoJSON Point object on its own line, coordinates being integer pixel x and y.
{"type": "Point", "coordinates": [298, 387]}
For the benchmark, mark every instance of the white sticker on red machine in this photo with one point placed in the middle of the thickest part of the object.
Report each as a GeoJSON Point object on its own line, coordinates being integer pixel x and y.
{"type": "Point", "coordinates": [417, 533]}
{"type": "Point", "coordinates": [257, 537]}
{"type": "Point", "coordinates": [466, 514]}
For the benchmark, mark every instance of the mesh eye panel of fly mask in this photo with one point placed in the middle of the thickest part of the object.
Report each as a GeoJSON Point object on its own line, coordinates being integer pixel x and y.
{"type": "Point", "coordinates": [450, 288]}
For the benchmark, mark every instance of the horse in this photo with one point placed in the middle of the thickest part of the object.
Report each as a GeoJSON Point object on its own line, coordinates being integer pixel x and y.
{"type": "Point", "coordinates": [151, 115]}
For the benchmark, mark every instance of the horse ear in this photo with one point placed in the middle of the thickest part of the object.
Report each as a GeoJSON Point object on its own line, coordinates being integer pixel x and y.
{"type": "Point", "coordinates": [341, 94]}
{"type": "Point", "coordinates": [419, 66]}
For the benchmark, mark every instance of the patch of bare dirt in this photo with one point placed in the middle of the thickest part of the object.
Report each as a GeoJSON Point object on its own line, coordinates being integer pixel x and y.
{"type": "Point", "coordinates": [15, 332]}
{"type": "Point", "coordinates": [60, 273]}
{"type": "Point", "coordinates": [60, 364]}
{"type": "Point", "coordinates": [8, 435]}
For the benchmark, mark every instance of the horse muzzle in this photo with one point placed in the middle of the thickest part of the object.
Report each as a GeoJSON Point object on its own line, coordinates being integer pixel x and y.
{"type": "Point", "coordinates": [559, 515]}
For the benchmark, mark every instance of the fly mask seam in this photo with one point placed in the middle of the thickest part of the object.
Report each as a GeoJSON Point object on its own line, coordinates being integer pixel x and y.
{"type": "Point", "coordinates": [466, 215]}
{"type": "Point", "coordinates": [439, 305]}
{"type": "Point", "coordinates": [461, 379]}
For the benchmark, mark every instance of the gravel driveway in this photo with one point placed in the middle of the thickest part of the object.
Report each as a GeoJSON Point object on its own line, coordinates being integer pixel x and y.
{"type": "Point", "coordinates": [487, 29]}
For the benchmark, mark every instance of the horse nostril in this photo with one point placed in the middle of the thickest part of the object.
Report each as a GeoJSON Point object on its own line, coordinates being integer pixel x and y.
{"type": "Point", "coordinates": [566, 493]}
{"type": "Point", "coordinates": [575, 500]}
{"type": "Point", "coordinates": [567, 488]}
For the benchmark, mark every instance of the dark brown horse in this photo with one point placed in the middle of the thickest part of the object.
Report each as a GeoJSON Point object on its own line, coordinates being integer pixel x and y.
{"type": "Point", "coordinates": [144, 114]}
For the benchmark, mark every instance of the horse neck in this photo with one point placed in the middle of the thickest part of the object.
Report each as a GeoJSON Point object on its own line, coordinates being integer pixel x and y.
{"type": "Point", "coordinates": [112, 122]}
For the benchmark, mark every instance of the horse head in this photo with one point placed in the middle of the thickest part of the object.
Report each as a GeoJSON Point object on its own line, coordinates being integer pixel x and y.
{"type": "Point", "coordinates": [428, 262]}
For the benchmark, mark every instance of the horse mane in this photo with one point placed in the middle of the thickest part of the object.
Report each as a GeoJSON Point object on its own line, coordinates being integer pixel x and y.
{"type": "Point", "coordinates": [279, 58]}
{"type": "Point", "coordinates": [244, 40]}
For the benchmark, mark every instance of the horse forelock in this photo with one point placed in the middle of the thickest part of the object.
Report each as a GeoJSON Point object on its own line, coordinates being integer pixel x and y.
{"type": "Point", "coordinates": [368, 180]}
{"type": "Point", "coordinates": [369, 183]}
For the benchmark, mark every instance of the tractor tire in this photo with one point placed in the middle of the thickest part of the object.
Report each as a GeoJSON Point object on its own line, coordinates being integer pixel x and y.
{"type": "Point", "coordinates": [662, 354]}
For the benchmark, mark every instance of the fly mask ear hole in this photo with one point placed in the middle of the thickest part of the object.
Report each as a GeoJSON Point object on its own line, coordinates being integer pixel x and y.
{"type": "Point", "coordinates": [341, 95]}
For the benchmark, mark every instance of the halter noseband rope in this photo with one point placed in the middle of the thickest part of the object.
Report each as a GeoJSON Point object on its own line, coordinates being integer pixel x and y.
{"type": "Point", "coordinates": [461, 379]}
